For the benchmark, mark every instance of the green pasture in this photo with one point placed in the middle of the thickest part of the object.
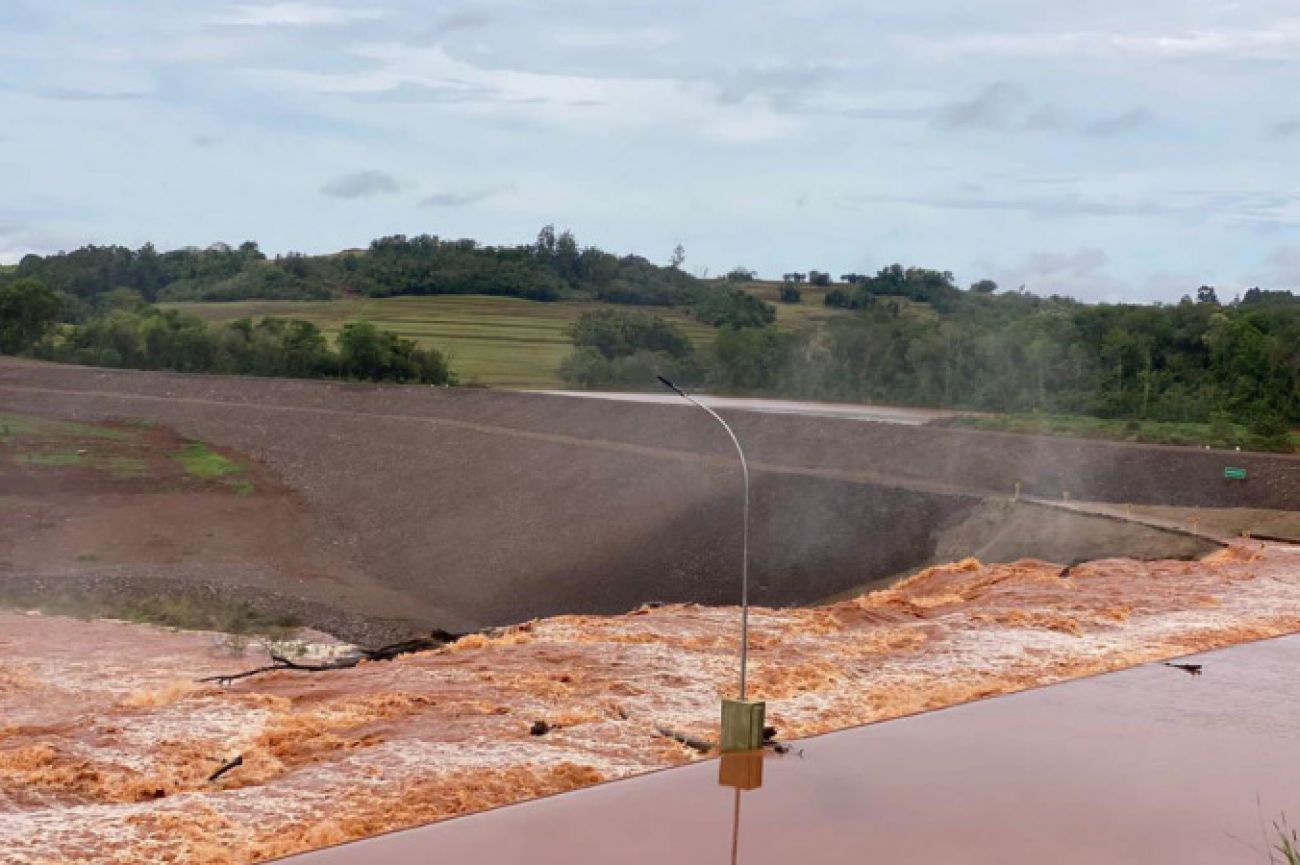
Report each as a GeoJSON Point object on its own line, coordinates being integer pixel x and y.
{"type": "Point", "coordinates": [1188, 434]}
{"type": "Point", "coordinates": [497, 341]}
{"type": "Point", "coordinates": [810, 311]}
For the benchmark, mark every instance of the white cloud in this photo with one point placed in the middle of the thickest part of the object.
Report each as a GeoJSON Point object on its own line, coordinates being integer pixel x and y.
{"type": "Point", "coordinates": [1286, 128]}
{"type": "Point", "coordinates": [637, 130]}
{"type": "Point", "coordinates": [1080, 274]}
{"type": "Point", "coordinates": [1282, 270]}
{"type": "Point", "coordinates": [1277, 41]}
{"type": "Point", "coordinates": [464, 198]}
{"type": "Point", "coordinates": [19, 240]}
{"type": "Point", "coordinates": [996, 106]}
{"type": "Point", "coordinates": [296, 15]}
{"type": "Point", "coordinates": [1120, 124]}
{"type": "Point", "coordinates": [595, 37]}
{"type": "Point", "coordinates": [583, 102]}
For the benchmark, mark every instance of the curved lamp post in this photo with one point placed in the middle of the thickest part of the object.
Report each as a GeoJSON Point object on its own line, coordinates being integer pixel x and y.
{"type": "Point", "coordinates": [742, 721]}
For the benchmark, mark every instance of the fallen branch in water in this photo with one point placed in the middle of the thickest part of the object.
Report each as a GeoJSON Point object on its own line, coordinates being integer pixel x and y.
{"type": "Point", "coordinates": [436, 640]}
{"type": "Point", "coordinates": [226, 767]}
{"type": "Point", "coordinates": [702, 745]}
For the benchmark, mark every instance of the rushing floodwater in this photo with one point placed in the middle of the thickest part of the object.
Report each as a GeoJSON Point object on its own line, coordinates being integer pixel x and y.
{"type": "Point", "coordinates": [1147, 766]}
{"type": "Point", "coordinates": [106, 743]}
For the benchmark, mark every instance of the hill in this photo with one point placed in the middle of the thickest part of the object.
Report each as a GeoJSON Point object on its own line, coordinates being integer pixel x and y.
{"type": "Point", "coordinates": [494, 341]}
{"type": "Point", "coordinates": [1199, 370]}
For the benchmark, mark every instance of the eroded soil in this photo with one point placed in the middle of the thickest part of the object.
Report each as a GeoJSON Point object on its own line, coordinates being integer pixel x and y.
{"type": "Point", "coordinates": [96, 516]}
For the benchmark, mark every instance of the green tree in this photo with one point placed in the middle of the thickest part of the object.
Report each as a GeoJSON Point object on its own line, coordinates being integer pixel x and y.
{"type": "Point", "coordinates": [363, 351]}
{"type": "Point", "coordinates": [366, 352]}
{"type": "Point", "coordinates": [722, 307]}
{"type": "Point", "coordinates": [28, 311]}
{"type": "Point", "coordinates": [618, 333]}
{"type": "Point", "coordinates": [751, 359]}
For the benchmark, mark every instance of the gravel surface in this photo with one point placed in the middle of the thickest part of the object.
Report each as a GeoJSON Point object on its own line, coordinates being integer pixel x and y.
{"type": "Point", "coordinates": [463, 508]}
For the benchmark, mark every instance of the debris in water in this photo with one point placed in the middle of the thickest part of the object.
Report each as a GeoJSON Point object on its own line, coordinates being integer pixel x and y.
{"type": "Point", "coordinates": [695, 743]}
{"type": "Point", "coordinates": [1193, 669]}
{"type": "Point", "coordinates": [226, 767]}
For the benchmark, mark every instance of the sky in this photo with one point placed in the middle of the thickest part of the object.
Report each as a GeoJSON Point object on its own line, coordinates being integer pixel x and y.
{"type": "Point", "coordinates": [1108, 150]}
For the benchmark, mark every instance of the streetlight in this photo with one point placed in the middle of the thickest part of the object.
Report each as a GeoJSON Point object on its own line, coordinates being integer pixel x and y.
{"type": "Point", "coordinates": [742, 720]}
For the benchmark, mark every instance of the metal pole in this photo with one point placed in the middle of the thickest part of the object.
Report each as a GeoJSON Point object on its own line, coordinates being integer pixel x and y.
{"type": "Point", "coordinates": [744, 543]}
{"type": "Point", "coordinates": [735, 829]}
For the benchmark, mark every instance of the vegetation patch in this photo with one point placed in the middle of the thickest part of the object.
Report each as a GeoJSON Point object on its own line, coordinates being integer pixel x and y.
{"type": "Point", "coordinates": [36, 442]}
{"type": "Point", "coordinates": [122, 452]}
{"type": "Point", "coordinates": [200, 461]}
{"type": "Point", "coordinates": [184, 610]}
{"type": "Point", "coordinates": [1220, 433]}
{"type": "Point", "coordinates": [181, 611]}
{"type": "Point", "coordinates": [125, 467]}
{"type": "Point", "coordinates": [14, 426]}
{"type": "Point", "coordinates": [55, 458]}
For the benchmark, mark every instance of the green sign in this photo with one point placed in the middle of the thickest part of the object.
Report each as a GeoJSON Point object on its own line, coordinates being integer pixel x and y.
{"type": "Point", "coordinates": [1234, 474]}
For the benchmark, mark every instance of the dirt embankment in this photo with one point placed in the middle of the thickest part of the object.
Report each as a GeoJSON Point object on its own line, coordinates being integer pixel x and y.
{"type": "Point", "coordinates": [462, 509]}
{"type": "Point", "coordinates": [929, 457]}
{"type": "Point", "coordinates": [132, 519]}
{"type": "Point", "coordinates": [106, 741]}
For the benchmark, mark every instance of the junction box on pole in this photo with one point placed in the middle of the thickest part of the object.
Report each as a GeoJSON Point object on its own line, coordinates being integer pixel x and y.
{"type": "Point", "coordinates": [742, 725]}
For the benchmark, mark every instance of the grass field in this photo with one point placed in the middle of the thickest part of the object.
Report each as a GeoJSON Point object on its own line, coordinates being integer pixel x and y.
{"type": "Point", "coordinates": [1146, 431]}
{"type": "Point", "coordinates": [811, 310]}
{"type": "Point", "coordinates": [497, 341]}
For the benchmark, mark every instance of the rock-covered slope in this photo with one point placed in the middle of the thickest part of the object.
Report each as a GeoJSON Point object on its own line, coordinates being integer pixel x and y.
{"type": "Point", "coordinates": [461, 508]}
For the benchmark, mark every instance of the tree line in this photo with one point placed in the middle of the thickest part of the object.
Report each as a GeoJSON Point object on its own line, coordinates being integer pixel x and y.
{"type": "Point", "coordinates": [552, 267]}
{"type": "Point", "coordinates": [130, 334]}
{"type": "Point", "coordinates": [912, 336]}
{"type": "Point", "coordinates": [907, 335]}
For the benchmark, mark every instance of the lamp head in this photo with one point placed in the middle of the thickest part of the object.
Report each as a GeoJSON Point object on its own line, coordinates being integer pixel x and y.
{"type": "Point", "coordinates": [674, 388]}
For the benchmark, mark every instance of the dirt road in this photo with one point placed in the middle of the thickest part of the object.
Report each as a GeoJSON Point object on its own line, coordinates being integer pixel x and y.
{"type": "Point", "coordinates": [846, 411]}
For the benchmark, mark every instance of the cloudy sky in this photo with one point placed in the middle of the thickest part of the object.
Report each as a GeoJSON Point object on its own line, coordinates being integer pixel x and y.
{"type": "Point", "coordinates": [1107, 149]}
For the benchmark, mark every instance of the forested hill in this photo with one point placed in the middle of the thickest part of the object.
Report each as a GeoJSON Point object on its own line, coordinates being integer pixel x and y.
{"type": "Point", "coordinates": [903, 335]}
{"type": "Point", "coordinates": [915, 337]}
{"type": "Point", "coordinates": [552, 268]}
{"type": "Point", "coordinates": [98, 305]}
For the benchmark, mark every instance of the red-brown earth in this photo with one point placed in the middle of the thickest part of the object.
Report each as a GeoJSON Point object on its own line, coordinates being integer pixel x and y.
{"type": "Point", "coordinates": [387, 510]}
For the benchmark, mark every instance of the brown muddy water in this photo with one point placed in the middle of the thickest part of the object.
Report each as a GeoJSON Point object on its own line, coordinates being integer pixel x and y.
{"type": "Point", "coordinates": [107, 742]}
{"type": "Point", "coordinates": [1147, 766]}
